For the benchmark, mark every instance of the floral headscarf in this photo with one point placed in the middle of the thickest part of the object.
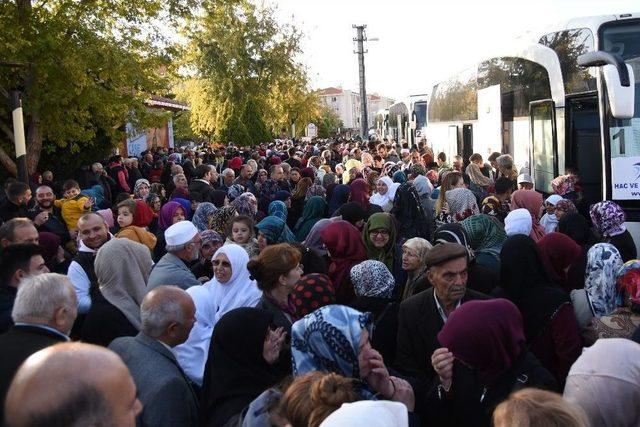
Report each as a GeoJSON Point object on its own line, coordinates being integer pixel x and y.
{"type": "Point", "coordinates": [603, 264]}
{"type": "Point", "coordinates": [316, 190]}
{"type": "Point", "coordinates": [608, 218]}
{"type": "Point", "coordinates": [629, 280]}
{"type": "Point", "coordinates": [563, 184]}
{"type": "Point", "coordinates": [328, 340]}
{"type": "Point", "coordinates": [462, 203]}
{"type": "Point", "coordinates": [210, 236]}
{"type": "Point", "coordinates": [219, 219]}
{"type": "Point", "coordinates": [203, 214]}
{"type": "Point", "coordinates": [312, 292]}
{"type": "Point", "coordinates": [235, 191]}
{"type": "Point", "coordinates": [372, 279]}
{"type": "Point", "coordinates": [567, 206]}
{"type": "Point", "coordinates": [138, 185]}
{"type": "Point", "coordinates": [278, 209]}
{"type": "Point", "coordinates": [246, 204]}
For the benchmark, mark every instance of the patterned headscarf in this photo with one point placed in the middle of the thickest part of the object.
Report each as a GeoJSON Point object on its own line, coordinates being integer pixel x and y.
{"type": "Point", "coordinates": [210, 236]}
{"type": "Point", "coordinates": [372, 279]}
{"type": "Point", "coordinates": [629, 281]}
{"type": "Point", "coordinates": [219, 219]}
{"type": "Point", "coordinates": [312, 292]}
{"type": "Point", "coordinates": [608, 218]}
{"type": "Point", "coordinates": [138, 186]}
{"type": "Point", "coordinates": [246, 204]}
{"type": "Point", "coordinates": [235, 191]}
{"type": "Point", "coordinates": [567, 206]}
{"type": "Point", "coordinates": [328, 179]}
{"type": "Point", "coordinates": [316, 190]}
{"type": "Point", "coordinates": [275, 230]}
{"type": "Point", "coordinates": [603, 264]}
{"type": "Point", "coordinates": [278, 209]}
{"type": "Point", "coordinates": [563, 184]}
{"type": "Point", "coordinates": [462, 203]}
{"type": "Point", "coordinates": [328, 340]}
{"type": "Point", "coordinates": [477, 177]}
{"type": "Point", "coordinates": [203, 214]}
{"type": "Point", "coordinates": [483, 232]}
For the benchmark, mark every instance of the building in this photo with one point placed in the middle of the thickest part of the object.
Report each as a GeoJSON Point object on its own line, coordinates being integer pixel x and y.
{"type": "Point", "coordinates": [346, 104]}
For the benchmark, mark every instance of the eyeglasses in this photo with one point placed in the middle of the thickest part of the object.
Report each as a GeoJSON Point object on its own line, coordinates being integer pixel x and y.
{"type": "Point", "coordinates": [217, 262]}
{"type": "Point", "coordinates": [382, 232]}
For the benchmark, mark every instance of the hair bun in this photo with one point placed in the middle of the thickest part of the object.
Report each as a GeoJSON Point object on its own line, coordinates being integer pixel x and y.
{"type": "Point", "coordinates": [332, 390]}
{"type": "Point", "coordinates": [256, 269]}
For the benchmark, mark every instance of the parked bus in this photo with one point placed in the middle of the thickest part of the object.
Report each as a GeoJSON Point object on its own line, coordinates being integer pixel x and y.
{"type": "Point", "coordinates": [408, 119]}
{"type": "Point", "coordinates": [568, 100]}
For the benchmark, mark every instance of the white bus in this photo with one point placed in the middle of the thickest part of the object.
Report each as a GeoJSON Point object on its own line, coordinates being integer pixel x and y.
{"type": "Point", "coordinates": [408, 119]}
{"type": "Point", "coordinates": [568, 99]}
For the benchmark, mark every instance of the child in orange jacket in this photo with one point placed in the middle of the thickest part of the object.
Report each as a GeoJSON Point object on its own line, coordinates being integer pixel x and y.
{"type": "Point", "coordinates": [133, 217]}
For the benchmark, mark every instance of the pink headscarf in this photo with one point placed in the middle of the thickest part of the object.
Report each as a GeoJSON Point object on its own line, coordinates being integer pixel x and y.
{"type": "Point", "coordinates": [530, 200]}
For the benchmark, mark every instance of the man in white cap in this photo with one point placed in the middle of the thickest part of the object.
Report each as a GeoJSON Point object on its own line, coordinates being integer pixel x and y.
{"type": "Point", "coordinates": [183, 246]}
{"type": "Point", "coordinates": [525, 182]}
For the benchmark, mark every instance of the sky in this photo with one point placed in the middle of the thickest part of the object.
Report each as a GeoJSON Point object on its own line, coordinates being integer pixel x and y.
{"type": "Point", "coordinates": [420, 42]}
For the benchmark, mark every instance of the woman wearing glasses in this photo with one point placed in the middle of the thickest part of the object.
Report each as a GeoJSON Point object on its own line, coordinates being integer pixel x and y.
{"type": "Point", "coordinates": [231, 287]}
{"type": "Point", "coordinates": [381, 240]}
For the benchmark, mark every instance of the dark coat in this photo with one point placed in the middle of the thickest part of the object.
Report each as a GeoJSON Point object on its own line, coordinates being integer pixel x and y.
{"type": "Point", "coordinates": [470, 403]}
{"type": "Point", "coordinates": [17, 345]}
{"type": "Point", "coordinates": [9, 210]}
{"type": "Point", "coordinates": [7, 298]}
{"type": "Point", "coordinates": [164, 390]}
{"type": "Point", "coordinates": [201, 187]}
{"type": "Point", "coordinates": [385, 321]}
{"type": "Point", "coordinates": [104, 323]}
{"type": "Point", "coordinates": [418, 325]}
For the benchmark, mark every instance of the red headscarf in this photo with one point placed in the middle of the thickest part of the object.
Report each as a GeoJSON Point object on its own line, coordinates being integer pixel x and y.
{"type": "Point", "coordinates": [143, 216]}
{"type": "Point", "coordinates": [360, 193]}
{"type": "Point", "coordinates": [235, 163]}
{"type": "Point", "coordinates": [532, 201]}
{"type": "Point", "coordinates": [346, 248]}
{"type": "Point", "coordinates": [558, 252]}
{"type": "Point", "coordinates": [491, 346]}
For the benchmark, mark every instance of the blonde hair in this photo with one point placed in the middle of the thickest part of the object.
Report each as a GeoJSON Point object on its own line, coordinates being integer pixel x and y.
{"type": "Point", "coordinates": [538, 408]}
{"type": "Point", "coordinates": [313, 397]}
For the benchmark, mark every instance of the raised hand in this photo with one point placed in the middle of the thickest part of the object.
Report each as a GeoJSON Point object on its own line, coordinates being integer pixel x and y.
{"type": "Point", "coordinates": [273, 344]}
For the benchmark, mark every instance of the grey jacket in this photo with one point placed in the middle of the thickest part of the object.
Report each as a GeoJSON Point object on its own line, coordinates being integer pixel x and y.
{"type": "Point", "coordinates": [163, 389]}
{"type": "Point", "coordinates": [171, 270]}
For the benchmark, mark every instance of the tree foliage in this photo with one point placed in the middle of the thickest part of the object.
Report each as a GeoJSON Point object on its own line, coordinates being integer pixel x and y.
{"type": "Point", "coordinates": [245, 83]}
{"type": "Point", "coordinates": [87, 67]}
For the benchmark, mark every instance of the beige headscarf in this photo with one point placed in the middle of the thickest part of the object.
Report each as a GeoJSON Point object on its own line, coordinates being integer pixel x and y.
{"type": "Point", "coordinates": [421, 247]}
{"type": "Point", "coordinates": [605, 383]}
{"type": "Point", "coordinates": [477, 177]}
{"type": "Point", "coordinates": [122, 267]}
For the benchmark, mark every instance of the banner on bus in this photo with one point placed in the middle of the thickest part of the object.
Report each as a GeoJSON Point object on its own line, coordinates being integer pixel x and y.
{"type": "Point", "coordinates": [625, 178]}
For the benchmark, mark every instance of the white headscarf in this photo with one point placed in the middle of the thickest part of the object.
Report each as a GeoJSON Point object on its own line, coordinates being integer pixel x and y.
{"type": "Point", "coordinates": [240, 290]}
{"type": "Point", "coordinates": [518, 221]}
{"type": "Point", "coordinates": [212, 301]}
{"type": "Point", "coordinates": [605, 383]}
{"type": "Point", "coordinates": [550, 221]}
{"type": "Point", "coordinates": [369, 413]}
{"type": "Point", "coordinates": [383, 199]}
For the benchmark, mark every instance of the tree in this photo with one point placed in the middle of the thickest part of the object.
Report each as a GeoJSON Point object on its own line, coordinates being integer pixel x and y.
{"type": "Point", "coordinates": [328, 122]}
{"type": "Point", "coordinates": [244, 83]}
{"type": "Point", "coordinates": [87, 67]}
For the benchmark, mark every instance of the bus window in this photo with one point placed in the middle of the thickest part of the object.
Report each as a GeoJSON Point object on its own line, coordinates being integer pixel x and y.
{"type": "Point", "coordinates": [543, 144]}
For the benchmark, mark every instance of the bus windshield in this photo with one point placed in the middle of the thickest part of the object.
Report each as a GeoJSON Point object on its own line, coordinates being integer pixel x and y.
{"type": "Point", "coordinates": [624, 135]}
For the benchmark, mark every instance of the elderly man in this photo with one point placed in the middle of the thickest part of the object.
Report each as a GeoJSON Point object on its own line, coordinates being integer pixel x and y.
{"type": "Point", "coordinates": [72, 384]}
{"type": "Point", "coordinates": [167, 314]}
{"type": "Point", "coordinates": [183, 247]}
{"type": "Point", "coordinates": [189, 165]}
{"type": "Point", "coordinates": [422, 316]}
{"type": "Point", "coordinates": [100, 177]}
{"type": "Point", "coordinates": [15, 206]}
{"type": "Point", "coordinates": [46, 216]}
{"type": "Point", "coordinates": [17, 262]}
{"type": "Point", "coordinates": [228, 175]}
{"type": "Point", "coordinates": [93, 233]}
{"type": "Point", "coordinates": [18, 231]}
{"type": "Point", "coordinates": [44, 312]}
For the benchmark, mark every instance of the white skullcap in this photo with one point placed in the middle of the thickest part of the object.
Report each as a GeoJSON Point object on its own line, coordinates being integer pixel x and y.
{"type": "Point", "coordinates": [553, 199]}
{"type": "Point", "coordinates": [369, 413]}
{"type": "Point", "coordinates": [518, 222]}
{"type": "Point", "coordinates": [180, 233]}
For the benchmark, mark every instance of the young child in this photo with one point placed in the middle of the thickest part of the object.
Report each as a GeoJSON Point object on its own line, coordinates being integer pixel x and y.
{"type": "Point", "coordinates": [549, 220]}
{"type": "Point", "coordinates": [73, 205]}
{"type": "Point", "coordinates": [133, 216]}
{"type": "Point", "coordinates": [240, 230]}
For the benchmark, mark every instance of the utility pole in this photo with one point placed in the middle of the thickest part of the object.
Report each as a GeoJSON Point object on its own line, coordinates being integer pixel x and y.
{"type": "Point", "coordinates": [18, 124]}
{"type": "Point", "coordinates": [360, 39]}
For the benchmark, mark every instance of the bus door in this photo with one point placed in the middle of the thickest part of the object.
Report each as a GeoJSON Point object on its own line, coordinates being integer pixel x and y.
{"type": "Point", "coordinates": [543, 156]}
{"type": "Point", "coordinates": [583, 151]}
{"type": "Point", "coordinates": [467, 142]}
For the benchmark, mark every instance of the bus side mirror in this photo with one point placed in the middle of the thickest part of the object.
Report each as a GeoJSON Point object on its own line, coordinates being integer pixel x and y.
{"type": "Point", "coordinates": [619, 79]}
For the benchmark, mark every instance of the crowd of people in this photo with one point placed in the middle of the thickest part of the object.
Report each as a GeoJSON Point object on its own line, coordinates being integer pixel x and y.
{"type": "Point", "coordinates": [320, 283]}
